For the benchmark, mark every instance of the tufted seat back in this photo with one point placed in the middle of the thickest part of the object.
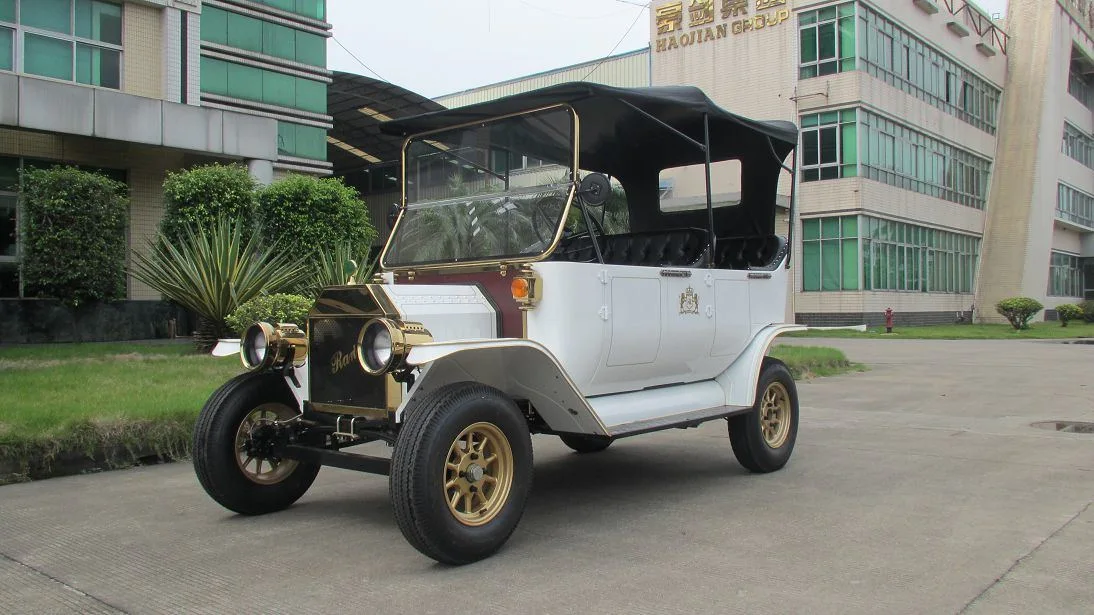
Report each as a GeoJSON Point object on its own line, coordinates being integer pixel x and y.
{"type": "Point", "coordinates": [755, 252]}
{"type": "Point", "coordinates": [673, 248]}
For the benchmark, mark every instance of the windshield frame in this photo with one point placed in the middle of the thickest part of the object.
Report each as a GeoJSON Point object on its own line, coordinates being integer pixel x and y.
{"type": "Point", "coordinates": [575, 134]}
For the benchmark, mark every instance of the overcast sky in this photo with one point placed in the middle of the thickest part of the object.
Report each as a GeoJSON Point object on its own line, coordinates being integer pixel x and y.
{"type": "Point", "coordinates": [435, 47]}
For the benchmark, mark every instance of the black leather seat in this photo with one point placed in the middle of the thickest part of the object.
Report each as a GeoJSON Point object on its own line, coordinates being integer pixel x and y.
{"type": "Point", "coordinates": [672, 248]}
{"type": "Point", "coordinates": [756, 252]}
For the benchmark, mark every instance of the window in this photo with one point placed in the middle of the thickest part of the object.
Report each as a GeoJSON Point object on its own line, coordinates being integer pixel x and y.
{"type": "Point", "coordinates": [243, 32]}
{"type": "Point", "coordinates": [829, 145]}
{"type": "Point", "coordinates": [312, 9]}
{"type": "Point", "coordinates": [830, 254]}
{"type": "Point", "coordinates": [1078, 145]}
{"type": "Point", "coordinates": [899, 156]}
{"type": "Point", "coordinates": [1074, 206]}
{"type": "Point", "coordinates": [7, 48]}
{"type": "Point", "coordinates": [897, 57]}
{"type": "Point", "coordinates": [301, 141]}
{"type": "Point", "coordinates": [1065, 275]}
{"type": "Point", "coordinates": [1080, 88]}
{"type": "Point", "coordinates": [827, 41]}
{"type": "Point", "coordinates": [897, 256]}
{"type": "Point", "coordinates": [264, 86]}
{"type": "Point", "coordinates": [71, 40]}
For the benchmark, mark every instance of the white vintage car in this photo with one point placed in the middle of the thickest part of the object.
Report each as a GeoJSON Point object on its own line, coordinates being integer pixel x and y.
{"type": "Point", "coordinates": [540, 279]}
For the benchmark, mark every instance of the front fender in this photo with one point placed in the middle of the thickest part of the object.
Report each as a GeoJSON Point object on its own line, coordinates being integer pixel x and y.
{"type": "Point", "coordinates": [739, 379]}
{"type": "Point", "coordinates": [520, 368]}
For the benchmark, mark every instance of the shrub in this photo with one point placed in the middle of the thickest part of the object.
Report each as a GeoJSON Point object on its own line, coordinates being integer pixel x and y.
{"type": "Point", "coordinates": [1088, 310]}
{"type": "Point", "coordinates": [1019, 310]}
{"type": "Point", "coordinates": [74, 234]}
{"type": "Point", "coordinates": [202, 194]}
{"type": "Point", "coordinates": [337, 267]}
{"type": "Point", "coordinates": [1068, 311]}
{"type": "Point", "coordinates": [214, 272]}
{"type": "Point", "coordinates": [309, 215]}
{"type": "Point", "coordinates": [275, 308]}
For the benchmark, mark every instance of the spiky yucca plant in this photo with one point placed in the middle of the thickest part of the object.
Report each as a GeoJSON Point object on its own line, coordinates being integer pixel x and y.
{"type": "Point", "coordinates": [339, 267]}
{"type": "Point", "coordinates": [212, 272]}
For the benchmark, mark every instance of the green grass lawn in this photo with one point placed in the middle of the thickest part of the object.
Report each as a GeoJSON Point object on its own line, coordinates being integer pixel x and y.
{"type": "Point", "coordinates": [813, 361]}
{"type": "Point", "coordinates": [134, 399]}
{"type": "Point", "coordinates": [1041, 330]}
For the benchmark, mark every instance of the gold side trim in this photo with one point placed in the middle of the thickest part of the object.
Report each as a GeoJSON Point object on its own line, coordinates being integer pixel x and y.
{"type": "Point", "coordinates": [384, 301]}
{"type": "Point", "coordinates": [394, 393]}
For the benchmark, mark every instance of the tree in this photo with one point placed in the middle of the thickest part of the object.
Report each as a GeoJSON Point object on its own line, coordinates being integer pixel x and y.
{"type": "Point", "coordinates": [202, 194]}
{"type": "Point", "coordinates": [311, 216]}
{"type": "Point", "coordinates": [1019, 310]}
{"type": "Point", "coordinates": [74, 235]}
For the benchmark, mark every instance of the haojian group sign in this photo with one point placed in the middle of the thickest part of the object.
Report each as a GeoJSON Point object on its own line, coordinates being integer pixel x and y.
{"type": "Point", "coordinates": [738, 16]}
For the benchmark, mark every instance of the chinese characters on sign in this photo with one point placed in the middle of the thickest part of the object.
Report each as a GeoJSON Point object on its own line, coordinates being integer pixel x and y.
{"type": "Point", "coordinates": [700, 13]}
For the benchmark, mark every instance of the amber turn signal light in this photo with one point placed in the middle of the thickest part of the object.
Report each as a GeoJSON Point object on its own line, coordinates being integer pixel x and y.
{"type": "Point", "coordinates": [520, 288]}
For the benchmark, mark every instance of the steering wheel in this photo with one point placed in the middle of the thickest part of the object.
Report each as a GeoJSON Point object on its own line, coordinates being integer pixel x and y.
{"type": "Point", "coordinates": [543, 223]}
{"type": "Point", "coordinates": [569, 236]}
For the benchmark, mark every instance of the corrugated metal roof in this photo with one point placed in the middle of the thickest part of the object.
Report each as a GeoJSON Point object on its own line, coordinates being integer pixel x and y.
{"type": "Point", "coordinates": [630, 69]}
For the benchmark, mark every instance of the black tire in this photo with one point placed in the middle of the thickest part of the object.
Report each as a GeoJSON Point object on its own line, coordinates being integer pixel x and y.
{"type": "Point", "coordinates": [419, 465]}
{"type": "Point", "coordinates": [746, 433]}
{"type": "Point", "coordinates": [215, 460]}
{"type": "Point", "coordinates": [584, 443]}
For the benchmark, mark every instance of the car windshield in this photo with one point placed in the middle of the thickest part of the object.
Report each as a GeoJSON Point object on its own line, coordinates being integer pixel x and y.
{"type": "Point", "coordinates": [492, 191]}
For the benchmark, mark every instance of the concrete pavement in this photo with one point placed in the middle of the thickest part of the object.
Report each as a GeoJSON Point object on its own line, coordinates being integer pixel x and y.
{"type": "Point", "coordinates": [917, 487]}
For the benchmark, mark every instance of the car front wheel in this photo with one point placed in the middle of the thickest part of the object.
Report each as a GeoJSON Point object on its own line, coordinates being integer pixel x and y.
{"type": "Point", "coordinates": [461, 471]}
{"type": "Point", "coordinates": [230, 462]}
{"type": "Point", "coordinates": [763, 438]}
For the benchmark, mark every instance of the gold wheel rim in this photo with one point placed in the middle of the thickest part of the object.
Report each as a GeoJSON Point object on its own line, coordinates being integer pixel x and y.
{"type": "Point", "coordinates": [775, 415]}
{"type": "Point", "coordinates": [256, 469]}
{"type": "Point", "coordinates": [478, 474]}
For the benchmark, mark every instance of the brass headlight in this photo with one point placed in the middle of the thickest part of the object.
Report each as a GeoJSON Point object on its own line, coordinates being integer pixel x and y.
{"type": "Point", "coordinates": [263, 346]}
{"type": "Point", "coordinates": [383, 344]}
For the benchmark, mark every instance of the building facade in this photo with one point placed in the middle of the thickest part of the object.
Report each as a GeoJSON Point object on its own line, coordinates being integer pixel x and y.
{"type": "Point", "coordinates": [139, 88]}
{"type": "Point", "coordinates": [946, 159]}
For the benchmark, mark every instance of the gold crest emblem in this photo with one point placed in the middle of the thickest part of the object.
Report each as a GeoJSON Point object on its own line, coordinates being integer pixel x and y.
{"type": "Point", "coordinates": [689, 302]}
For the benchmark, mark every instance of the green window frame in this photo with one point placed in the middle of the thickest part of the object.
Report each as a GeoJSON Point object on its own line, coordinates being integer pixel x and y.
{"type": "Point", "coordinates": [269, 87]}
{"type": "Point", "coordinates": [1075, 206]}
{"type": "Point", "coordinates": [69, 40]}
{"type": "Point", "coordinates": [7, 48]}
{"type": "Point", "coordinates": [904, 257]}
{"type": "Point", "coordinates": [830, 254]}
{"type": "Point", "coordinates": [900, 156]}
{"type": "Point", "coordinates": [301, 141]}
{"type": "Point", "coordinates": [829, 145]}
{"type": "Point", "coordinates": [1078, 145]}
{"type": "Point", "coordinates": [826, 41]}
{"type": "Point", "coordinates": [260, 36]}
{"type": "Point", "coordinates": [312, 9]}
{"type": "Point", "coordinates": [1065, 275]}
{"type": "Point", "coordinates": [903, 60]}
{"type": "Point", "coordinates": [7, 11]}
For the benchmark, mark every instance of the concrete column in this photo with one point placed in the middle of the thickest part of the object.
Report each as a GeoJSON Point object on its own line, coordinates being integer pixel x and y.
{"type": "Point", "coordinates": [261, 170]}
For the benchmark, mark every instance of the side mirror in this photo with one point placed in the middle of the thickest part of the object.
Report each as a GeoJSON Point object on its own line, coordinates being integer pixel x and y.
{"type": "Point", "coordinates": [595, 189]}
{"type": "Point", "coordinates": [393, 215]}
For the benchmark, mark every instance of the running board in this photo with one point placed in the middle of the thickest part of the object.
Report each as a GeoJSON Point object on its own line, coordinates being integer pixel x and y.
{"type": "Point", "coordinates": [668, 403]}
{"type": "Point", "coordinates": [678, 421]}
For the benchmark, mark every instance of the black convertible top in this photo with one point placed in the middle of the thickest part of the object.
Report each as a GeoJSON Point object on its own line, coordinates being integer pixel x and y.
{"type": "Point", "coordinates": [619, 140]}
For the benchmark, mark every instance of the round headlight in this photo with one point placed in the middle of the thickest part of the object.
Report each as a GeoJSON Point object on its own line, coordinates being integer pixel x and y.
{"type": "Point", "coordinates": [255, 348]}
{"type": "Point", "coordinates": [376, 347]}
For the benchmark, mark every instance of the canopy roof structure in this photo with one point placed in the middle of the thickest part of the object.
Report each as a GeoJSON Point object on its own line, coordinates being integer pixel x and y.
{"type": "Point", "coordinates": [359, 104]}
{"type": "Point", "coordinates": [624, 130]}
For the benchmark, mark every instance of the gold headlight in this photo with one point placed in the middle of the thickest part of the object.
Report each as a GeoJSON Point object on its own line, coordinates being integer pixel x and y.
{"type": "Point", "coordinates": [383, 344]}
{"type": "Point", "coordinates": [263, 346]}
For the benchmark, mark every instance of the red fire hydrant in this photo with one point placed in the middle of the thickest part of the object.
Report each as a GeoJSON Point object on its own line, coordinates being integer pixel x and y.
{"type": "Point", "coordinates": [888, 320]}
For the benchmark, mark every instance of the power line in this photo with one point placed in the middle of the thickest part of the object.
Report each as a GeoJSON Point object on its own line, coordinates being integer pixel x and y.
{"type": "Point", "coordinates": [617, 44]}
{"type": "Point", "coordinates": [354, 56]}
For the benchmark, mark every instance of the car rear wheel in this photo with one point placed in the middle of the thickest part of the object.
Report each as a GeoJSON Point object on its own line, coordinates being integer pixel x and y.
{"type": "Point", "coordinates": [583, 443]}
{"type": "Point", "coordinates": [461, 471]}
{"type": "Point", "coordinates": [232, 469]}
{"type": "Point", "coordinates": [763, 438]}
